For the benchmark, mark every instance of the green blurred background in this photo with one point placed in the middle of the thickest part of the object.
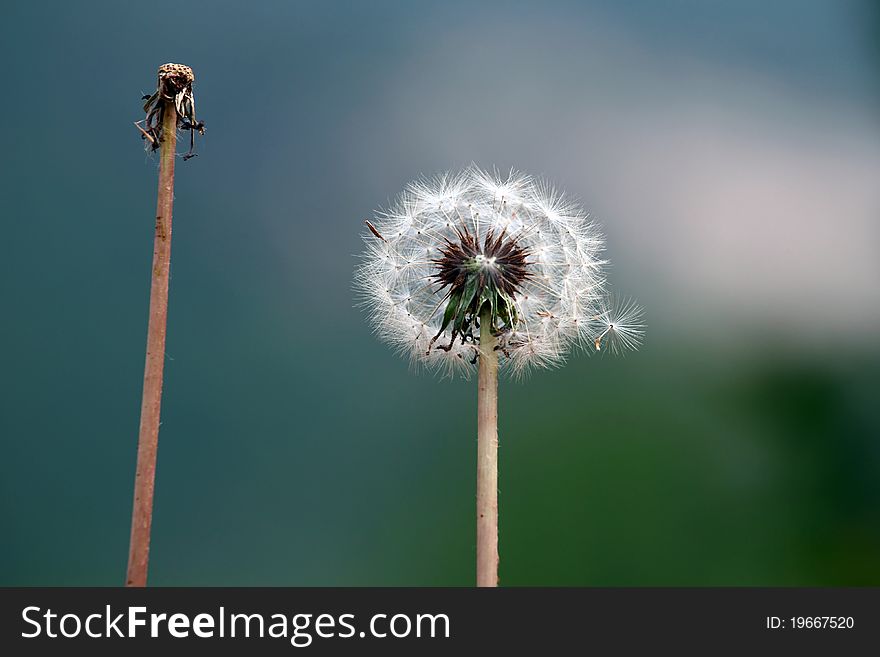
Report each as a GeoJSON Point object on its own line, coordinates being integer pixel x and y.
{"type": "Point", "coordinates": [730, 149]}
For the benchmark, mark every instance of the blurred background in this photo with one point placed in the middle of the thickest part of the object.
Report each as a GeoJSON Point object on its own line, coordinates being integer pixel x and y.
{"type": "Point", "coordinates": [731, 150]}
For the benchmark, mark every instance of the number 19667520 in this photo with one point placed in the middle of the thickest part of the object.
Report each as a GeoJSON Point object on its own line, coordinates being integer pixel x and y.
{"type": "Point", "coordinates": [810, 623]}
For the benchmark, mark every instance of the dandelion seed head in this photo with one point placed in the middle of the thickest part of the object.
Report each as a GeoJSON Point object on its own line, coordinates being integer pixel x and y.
{"type": "Point", "coordinates": [457, 243]}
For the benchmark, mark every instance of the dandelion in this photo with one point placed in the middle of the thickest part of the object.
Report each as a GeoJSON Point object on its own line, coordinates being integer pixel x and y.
{"type": "Point", "coordinates": [477, 271]}
{"type": "Point", "coordinates": [172, 107]}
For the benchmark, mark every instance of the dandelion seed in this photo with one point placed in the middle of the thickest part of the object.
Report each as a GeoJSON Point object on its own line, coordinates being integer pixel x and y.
{"type": "Point", "coordinates": [619, 325]}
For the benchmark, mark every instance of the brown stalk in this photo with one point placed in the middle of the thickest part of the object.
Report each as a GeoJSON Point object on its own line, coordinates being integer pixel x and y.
{"type": "Point", "coordinates": [148, 437]}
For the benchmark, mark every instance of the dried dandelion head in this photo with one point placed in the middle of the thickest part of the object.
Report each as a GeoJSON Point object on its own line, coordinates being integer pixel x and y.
{"type": "Point", "coordinates": [174, 85]}
{"type": "Point", "coordinates": [463, 244]}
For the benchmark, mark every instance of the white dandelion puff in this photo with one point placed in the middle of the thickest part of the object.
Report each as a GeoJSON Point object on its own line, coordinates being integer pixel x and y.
{"type": "Point", "coordinates": [456, 244]}
{"type": "Point", "coordinates": [478, 270]}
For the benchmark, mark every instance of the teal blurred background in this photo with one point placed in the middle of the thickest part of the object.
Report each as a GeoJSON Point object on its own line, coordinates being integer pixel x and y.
{"type": "Point", "coordinates": [731, 151]}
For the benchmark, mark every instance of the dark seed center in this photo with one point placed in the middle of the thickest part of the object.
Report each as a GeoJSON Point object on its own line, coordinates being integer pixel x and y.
{"type": "Point", "coordinates": [474, 275]}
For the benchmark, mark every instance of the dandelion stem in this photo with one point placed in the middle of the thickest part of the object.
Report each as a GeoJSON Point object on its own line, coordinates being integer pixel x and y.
{"type": "Point", "coordinates": [487, 454]}
{"type": "Point", "coordinates": [148, 438]}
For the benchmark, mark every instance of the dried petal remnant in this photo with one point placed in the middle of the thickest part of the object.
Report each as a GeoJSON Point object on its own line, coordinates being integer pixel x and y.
{"type": "Point", "coordinates": [174, 85]}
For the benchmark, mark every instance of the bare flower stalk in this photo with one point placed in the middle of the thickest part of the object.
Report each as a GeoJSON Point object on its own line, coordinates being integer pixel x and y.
{"type": "Point", "coordinates": [172, 107]}
{"type": "Point", "coordinates": [151, 402]}
{"type": "Point", "coordinates": [487, 454]}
